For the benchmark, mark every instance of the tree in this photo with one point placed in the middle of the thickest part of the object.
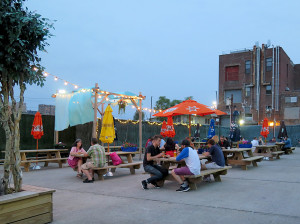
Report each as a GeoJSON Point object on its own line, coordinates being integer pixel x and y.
{"type": "Point", "coordinates": [22, 35]}
{"type": "Point", "coordinates": [189, 98]}
{"type": "Point", "coordinates": [175, 102]}
{"type": "Point", "coordinates": [162, 103]}
{"type": "Point", "coordinates": [136, 115]}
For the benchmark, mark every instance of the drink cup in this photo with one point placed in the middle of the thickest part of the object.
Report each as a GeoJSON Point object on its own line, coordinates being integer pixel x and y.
{"type": "Point", "coordinates": [228, 147]}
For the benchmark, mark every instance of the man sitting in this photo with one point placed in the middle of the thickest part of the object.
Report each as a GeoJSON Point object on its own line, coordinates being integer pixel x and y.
{"type": "Point", "coordinates": [217, 158]}
{"type": "Point", "coordinates": [287, 142]}
{"type": "Point", "coordinates": [97, 154]}
{"type": "Point", "coordinates": [192, 161]}
{"type": "Point", "coordinates": [153, 152]}
{"type": "Point", "coordinates": [254, 143]}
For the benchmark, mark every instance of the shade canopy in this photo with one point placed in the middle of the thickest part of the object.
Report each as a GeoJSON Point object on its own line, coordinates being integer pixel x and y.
{"type": "Point", "coordinates": [163, 130]}
{"type": "Point", "coordinates": [170, 128]}
{"type": "Point", "coordinates": [219, 112]}
{"type": "Point", "coordinates": [186, 107]}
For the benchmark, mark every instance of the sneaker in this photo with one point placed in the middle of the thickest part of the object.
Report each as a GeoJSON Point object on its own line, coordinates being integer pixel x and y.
{"type": "Point", "coordinates": [183, 189]}
{"type": "Point", "coordinates": [144, 185]}
{"type": "Point", "coordinates": [88, 181]}
{"type": "Point", "coordinates": [207, 179]}
{"type": "Point", "coordinates": [155, 185]}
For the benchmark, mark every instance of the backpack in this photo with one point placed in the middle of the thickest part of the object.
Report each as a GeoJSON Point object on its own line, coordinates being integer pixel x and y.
{"type": "Point", "coordinates": [116, 160]}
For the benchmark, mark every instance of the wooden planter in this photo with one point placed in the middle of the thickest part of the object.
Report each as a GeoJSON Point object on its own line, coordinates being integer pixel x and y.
{"type": "Point", "coordinates": [32, 205]}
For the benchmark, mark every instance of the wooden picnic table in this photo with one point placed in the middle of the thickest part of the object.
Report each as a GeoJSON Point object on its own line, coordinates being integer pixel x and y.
{"type": "Point", "coordinates": [269, 151]}
{"type": "Point", "coordinates": [235, 156]}
{"type": "Point", "coordinates": [280, 145]}
{"type": "Point", "coordinates": [52, 156]}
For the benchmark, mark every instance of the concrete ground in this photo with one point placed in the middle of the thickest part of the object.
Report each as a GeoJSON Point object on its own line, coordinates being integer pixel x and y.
{"type": "Point", "coordinates": [268, 193]}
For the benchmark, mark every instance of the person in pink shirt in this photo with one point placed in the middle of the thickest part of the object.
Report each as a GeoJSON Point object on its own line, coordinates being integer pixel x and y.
{"type": "Point", "coordinates": [76, 162]}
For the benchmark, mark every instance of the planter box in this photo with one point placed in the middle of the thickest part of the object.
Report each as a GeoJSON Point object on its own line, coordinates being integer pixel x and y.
{"type": "Point", "coordinates": [129, 149]}
{"type": "Point", "coordinates": [32, 205]}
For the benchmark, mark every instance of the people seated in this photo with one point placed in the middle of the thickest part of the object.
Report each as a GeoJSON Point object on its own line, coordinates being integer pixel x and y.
{"type": "Point", "coordinates": [217, 158]}
{"type": "Point", "coordinates": [216, 139]}
{"type": "Point", "coordinates": [170, 147]}
{"type": "Point", "coordinates": [287, 142]}
{"type": "Point", "coordinates": [223, 143]}
{"type": "Point", "coordinates": [192, 167]}
{"type": "Point", "coordinates": [158, 172]}
{"type": "Point", "coordinates": [98, 159]}
{"type": "Point", "coordinates": [260, 141]}
{"type": "Point", "coordinates": [76, 162]}
{"type": "Point", "coordinates": [254, 143]}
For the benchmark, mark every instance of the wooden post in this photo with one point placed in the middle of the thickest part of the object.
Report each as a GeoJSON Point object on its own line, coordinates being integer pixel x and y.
{"type": "Point", "coordinates": [189, 125]}
{"type": "Point", "coordinates": [55, 137]}
{"type": "Point", "coordinates": [95, 112]}
{"type": "Point", "coordinates": [140, 127]}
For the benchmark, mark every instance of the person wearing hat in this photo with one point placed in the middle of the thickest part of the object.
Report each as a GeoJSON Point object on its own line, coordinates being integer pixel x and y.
{"type": "Point", "coordinates": [193, 167]}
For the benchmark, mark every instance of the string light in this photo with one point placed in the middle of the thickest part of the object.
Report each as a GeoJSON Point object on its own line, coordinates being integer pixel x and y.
{"type": "Point", "coordinates": [55, 78]}
{"type": "Point", "coordinates": [76, 87]}
{"type": "Point", "coordinates": [66, 83]}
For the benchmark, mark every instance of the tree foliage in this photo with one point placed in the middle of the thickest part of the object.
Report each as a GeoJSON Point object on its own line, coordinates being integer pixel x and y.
{"type": "Point", "coordinates": [23, 35]}
{"type": "Point", "coordinates": [136, 115]}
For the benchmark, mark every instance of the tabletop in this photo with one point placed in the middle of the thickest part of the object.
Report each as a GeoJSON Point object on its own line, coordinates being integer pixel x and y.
{"type": "Point", "coordinates": [43, 150]}
{"type": "Point", "coordinates": [237, 150]}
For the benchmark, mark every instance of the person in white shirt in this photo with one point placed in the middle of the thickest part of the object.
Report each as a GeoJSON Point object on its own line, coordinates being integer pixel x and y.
{"type": "Point", "coordinates": [254, 143]}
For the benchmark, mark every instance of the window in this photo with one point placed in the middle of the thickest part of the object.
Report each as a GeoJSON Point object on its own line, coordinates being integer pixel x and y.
{"type": "Point", "coordinates": [207, 121]}
{"type": "Point", "coordinates": [248, 91]}
{"type": "Point", "coordinates": [269, 64]}
{"type": "Point", "coordinates": [237, 95]}
{"type": "Point", "coordinates": [247, 67]}
{"type": "Point", "coordinates": [292, 99]}
{"type": "Point", "coordinates": [269, 89]}
{"type": "Point", "coordinates": [232, 73]}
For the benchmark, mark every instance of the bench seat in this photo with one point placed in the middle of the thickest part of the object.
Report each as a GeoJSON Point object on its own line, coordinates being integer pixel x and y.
{"type": "Point", "coordinates": [277, 154]}
{"type": "Point", "coordinates": [254, 158]}
{"type": "Point", "coordinates": [103, 170]}
{"type": "Point", "coordinates": [27, 163]}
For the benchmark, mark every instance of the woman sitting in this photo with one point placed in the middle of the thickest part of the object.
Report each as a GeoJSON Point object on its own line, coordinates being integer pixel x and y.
{"type": "Point", "coordinates": [76, 162]}
{"type": "Point", "coordinates": [170, 147]}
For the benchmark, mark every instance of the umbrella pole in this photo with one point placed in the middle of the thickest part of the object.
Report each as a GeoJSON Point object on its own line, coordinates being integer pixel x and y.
{"type": "Point", "coordinates": [37, 147]}
{"type": "Point", "coordinates": [189, 125]}
{"type": "Point", "coordinates": [107, 147]}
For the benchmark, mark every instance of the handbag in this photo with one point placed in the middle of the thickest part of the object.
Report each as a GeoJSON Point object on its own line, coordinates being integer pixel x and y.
{"type": "Point", "coordinates": [116, 160]}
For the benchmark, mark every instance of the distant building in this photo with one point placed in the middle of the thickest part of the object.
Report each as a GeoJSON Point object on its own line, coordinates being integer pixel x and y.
{"type": "Point", "coordinates": [47, 109]}
{"type": "Point", "coordinates": [263, 81]}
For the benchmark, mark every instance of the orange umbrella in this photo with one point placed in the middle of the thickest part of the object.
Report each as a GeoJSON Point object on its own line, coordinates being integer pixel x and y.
{"type": "Point", "coordinates": [186, 107]}
{"type": "Point", "coordinates": [37, 127]}
{"type": "Point", "coordinates": [265, 128]}
{"type": "Point", "coordinates": [37, 132]}
{"type": "Point", "coordinates": [163, 130]}
{"type": "Point", "coordinates": [170, 128]}
{"type": "Point", "coordinates": [219, 112]}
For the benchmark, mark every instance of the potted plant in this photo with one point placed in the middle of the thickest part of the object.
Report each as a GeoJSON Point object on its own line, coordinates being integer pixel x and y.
{"type": "Point", "coordinates": [129, 147]}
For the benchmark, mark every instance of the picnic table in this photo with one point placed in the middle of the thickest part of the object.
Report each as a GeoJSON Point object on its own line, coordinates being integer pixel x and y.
{"type": "Point", "coordinates": [192, 179]}
{"type": "Point", "coordinates": [126, 164]}
{"type": "Point", "coordinates": [235, 156]}
{"type": "Point", "coordinates": [281, 145]}
{"type": "Point", "coordinates": [269, 151]}
{"type": "Point", "coordinates": [51, 156]}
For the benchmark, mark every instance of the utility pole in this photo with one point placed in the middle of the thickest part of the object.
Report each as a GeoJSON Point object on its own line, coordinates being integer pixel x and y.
{"type": "Point", "coordinates": [151, 110]}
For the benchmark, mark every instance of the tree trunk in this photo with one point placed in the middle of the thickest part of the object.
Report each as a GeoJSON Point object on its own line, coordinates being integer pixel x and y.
{"type": "Point", "coordinates": [8, 161]}
{"type": "Point", "coordinates": [16, 169]}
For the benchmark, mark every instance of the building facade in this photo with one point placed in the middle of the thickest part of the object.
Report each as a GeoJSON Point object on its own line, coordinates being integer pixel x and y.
{"type": "Point", "coordinates": [260, 82]}
{"type": "Point", "coordinates": [47, 109]}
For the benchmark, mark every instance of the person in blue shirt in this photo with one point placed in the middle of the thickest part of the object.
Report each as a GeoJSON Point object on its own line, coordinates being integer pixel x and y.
{"type": "Point", "coordinates": [192, 161]}
{"type": "Point", "coordinates": [287, 142]}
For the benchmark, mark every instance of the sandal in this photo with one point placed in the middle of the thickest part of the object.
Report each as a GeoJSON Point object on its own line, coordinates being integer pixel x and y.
{"type": "Point", "coordinates": [79, 175]}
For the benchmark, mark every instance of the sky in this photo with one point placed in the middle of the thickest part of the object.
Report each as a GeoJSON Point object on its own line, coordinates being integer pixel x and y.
{"type": "Point", "coordinates": [159, 48]}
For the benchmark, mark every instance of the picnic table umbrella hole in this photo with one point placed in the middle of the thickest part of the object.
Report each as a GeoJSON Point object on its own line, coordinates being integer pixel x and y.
{"type": "Point", "coordinates": [37, 132]}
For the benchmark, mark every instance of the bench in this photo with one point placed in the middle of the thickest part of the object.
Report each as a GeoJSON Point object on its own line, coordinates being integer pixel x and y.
{"type": "Point", "coordinates": [277, 154]}
{"type": "Point", "coordinates": [100, 171]}
{"type": "Point", "coordinates": [288, 150]}
{"type": "Point", "coordinates": [194, 179]}
{"type": "Point", "coordinates": [253, 160]}
{"type": "Point", "coordinates": [26, 163]}
{"type": "Point", "coordinates": [293, 148]}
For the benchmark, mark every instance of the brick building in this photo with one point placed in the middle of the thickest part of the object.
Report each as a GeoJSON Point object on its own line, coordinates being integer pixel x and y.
{"type": "Point", "coordinates": [47, 109]}
{"type": "Point", "coordinates": [263, 81]}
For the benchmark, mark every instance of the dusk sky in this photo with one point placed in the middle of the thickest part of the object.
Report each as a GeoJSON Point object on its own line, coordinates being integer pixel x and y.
{"type": "Point", "coordinates": [160, 48]}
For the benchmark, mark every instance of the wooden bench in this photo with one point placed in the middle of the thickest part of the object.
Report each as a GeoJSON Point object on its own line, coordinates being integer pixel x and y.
{"type": "Point", "coordinates": [288, 150]}
{"type": "Point", "coordinates": [26, 163]}
{"type": "Point", "coordinates": [293, 148]}
{"type": "Point", "coordinates": [277, 154]}
{"type": "Point", "coordinates": [194, 179]}
{"type": "Point", "coordinates": [253, 160]}
{"type": "Point", "coordinates": [103, 170]}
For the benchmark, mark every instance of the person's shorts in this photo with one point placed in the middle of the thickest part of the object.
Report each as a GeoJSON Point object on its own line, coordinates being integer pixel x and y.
{"type": "Point", "coordinates": [88, 165]}
{"type": "Point", "coordinates": [212, 165]}
{"type": "Point", "coordinates": [183, 171]}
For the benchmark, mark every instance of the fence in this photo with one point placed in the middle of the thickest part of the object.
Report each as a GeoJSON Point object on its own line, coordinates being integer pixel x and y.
{"type": "Point", "coordinates": [126, 131]}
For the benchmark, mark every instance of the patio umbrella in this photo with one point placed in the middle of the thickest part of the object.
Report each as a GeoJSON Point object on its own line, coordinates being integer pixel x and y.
{"type": "Point", "coordinates": [265, 128]}
{"type": "Point", "coordinates": [107, 134]}
{"type": "Point", "coordinates": [37, 131]}
{"type": "Point", "coordinates": [282, 131]}
{"type": "Point", "coordinates": [188, 107]}
{"type": "Point", "coordinates": [211, 130]}
{"type": "Point", "coordinates": [219, 112]}
{"type": "Point", "coordinates": [163, 130]}
{"type": "Point", "coordinates": [170, 128]}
